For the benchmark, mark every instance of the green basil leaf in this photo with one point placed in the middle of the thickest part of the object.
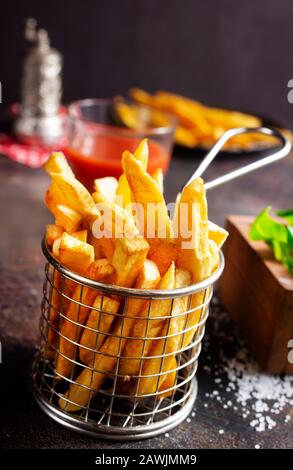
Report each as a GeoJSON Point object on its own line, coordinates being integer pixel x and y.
{"type": "Point", "coordinates": [286, 214]}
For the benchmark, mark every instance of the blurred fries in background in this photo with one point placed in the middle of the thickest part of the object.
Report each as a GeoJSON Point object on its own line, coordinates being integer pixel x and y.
{"type": "Point", "coordinates": [198, 125]}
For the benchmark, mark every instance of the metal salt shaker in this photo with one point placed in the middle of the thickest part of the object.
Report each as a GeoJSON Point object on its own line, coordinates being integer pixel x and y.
{"type": "Point", "coordinates": [39, 121]}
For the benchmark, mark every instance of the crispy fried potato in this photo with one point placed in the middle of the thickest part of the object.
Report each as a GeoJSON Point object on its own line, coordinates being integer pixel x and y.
{"type": "Point", "coordinates": [128, 258]}
{"type": "Point", "coordinates": [76, 315]}
{"type": "Point", "coordinates": [106, 361]}
{"type": "Point", "coordinates": [200, 125]}
{"type": "Point", "coordinates": [76, 196]}
{"type": "Point", "coordinates": [192, 210]}
{"type": "Point", "coordinates": [57, 163]}
{"type": "Point", "coordinates": [81, 235]}
{"type": "Point", "coordinates": [56, 247]}
{"type": "Point", "coordinates": [113, 223]}
{"type": "Point", "coordinates": [168, 380]}
{"type": "Point", "coordinates": [105, 189]}
{"type": "Point", "coordinates": [173, 328]}
{"type": "Point", "coordinates": [53, 197]}
{"type": "Point", "coordinates": [200, 259]}
{"type": "Point", "coordinates": [145, 327]}
{"type": "Point", "coordinates": [157, 225]}
{"type": "Point", "coordinates": [67, 218]}
{"type": "Point", "coordinates": [158, 176]}
{"type": "Point", "coordinates": [97, 248]}
{"type": "Point", "coordinates": [52, 233]}
{"type": "Point", "coordinates": [123, 192]}
{"type": "Point", "coordinates": [99, 319]}
{"type": "Point", "coordinates": [75, 254]}
{"type": "Point", "coordinates": [217, 234]}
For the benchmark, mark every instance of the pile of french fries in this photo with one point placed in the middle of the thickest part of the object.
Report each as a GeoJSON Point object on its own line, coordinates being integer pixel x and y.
{"type": "Point", "coordinates": [107, 333]}
{"type": "Point", "coordinates": [198, 124]}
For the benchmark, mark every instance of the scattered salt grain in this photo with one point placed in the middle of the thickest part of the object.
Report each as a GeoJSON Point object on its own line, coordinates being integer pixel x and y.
{"type": "Point", "coordinates": [257, 446]}
{"type": "Point", "coordinates": [221, 431]}
{"type": "Point", "coordinates": [239, 383]}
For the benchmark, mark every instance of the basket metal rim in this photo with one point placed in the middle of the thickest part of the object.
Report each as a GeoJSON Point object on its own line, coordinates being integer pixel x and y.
{"type": "Point", "coordinates": [130, 291]}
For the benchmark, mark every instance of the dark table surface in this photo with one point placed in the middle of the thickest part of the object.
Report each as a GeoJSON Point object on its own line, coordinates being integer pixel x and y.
{"type": "Point", "coordinates": [23, 217]}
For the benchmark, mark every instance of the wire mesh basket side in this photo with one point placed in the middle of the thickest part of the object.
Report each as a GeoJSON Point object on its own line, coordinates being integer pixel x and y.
{"type": "Point", "coordinates": [83, 369]}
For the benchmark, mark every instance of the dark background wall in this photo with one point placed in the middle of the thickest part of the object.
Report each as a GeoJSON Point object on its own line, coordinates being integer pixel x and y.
{"type": "Point", "coordinates": [229, 52]}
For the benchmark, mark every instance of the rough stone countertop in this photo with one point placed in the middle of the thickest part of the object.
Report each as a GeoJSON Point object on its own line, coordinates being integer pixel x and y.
{"type": "Point", "coordinates": [23, 217]}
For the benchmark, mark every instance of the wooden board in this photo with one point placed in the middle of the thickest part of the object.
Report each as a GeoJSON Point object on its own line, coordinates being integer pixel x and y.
{"type": "Point", "coordinates": [258, 293]}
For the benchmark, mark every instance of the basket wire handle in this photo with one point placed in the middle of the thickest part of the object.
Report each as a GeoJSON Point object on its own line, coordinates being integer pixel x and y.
{"type": "Point", "coordinates": [281, 153]}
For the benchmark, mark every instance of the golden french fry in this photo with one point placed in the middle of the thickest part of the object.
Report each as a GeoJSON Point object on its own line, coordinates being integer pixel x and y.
{"type": "Point", "coordinates": [145, 327]}
{"type": "Point", "coordinates": [76, 315]}
{"type": "Point", "coordinates": [75, 254]}
{"type": "Point", "coordinates": [123, 192]}
{"type": "Point", "coordinates": [128, 258]}
{"type": "Point", "coordinates": [57, 163]}
{"type": "Point", "coordinates": [217, 234]}
{"type": "Point", "coordinates": [192, 231]}
{"type": "Point", "coordinates": [105, 189]}
{"type": "Point", "coordinates": [186, 137]}
{"type": "Point", "coordinates": [97, 248]}
{"type": "Point", "coordinates": [141, 96]}
{"type": "Point", "coordinates": [76, 196]}
{"type": "Point", "coordinates": [166, 387]}
{"type": "Point", "coordinates": [52, 233]}
{"type": "Point", "coordinates": [99, 319]}
{"type": "Point", "coordinates": [81, 235]}
{"type": "Point", "coordinates": [67, 218]}
{"type": "Point", "coordinates": [173, 328]}
{"type": "Point", "coordinates": [157, 225]}
{"type": "Point", "coordinates": [113, 223]}
{"type": "Point", "coordinates": [158, 176]}
{"type": "Point", "coordinates": [106, 361]}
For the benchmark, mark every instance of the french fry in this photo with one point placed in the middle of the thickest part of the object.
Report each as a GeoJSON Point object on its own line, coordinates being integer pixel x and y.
{"type": "Point", "coordinates": [200, 125]}
{"type": "Point", "coordinates": [115, 223]}
{"type": "Point", "coordinates": [67, 218]}
{"type": "Point", "coordinates": [161, 347]}
{"type": "Point", "coordinates": [202, 257]}
{"type": "Point", "coordinates": [52, 233]}
{"type": "Point", "coordinates": [217, 234]}
{"type": "Point", "coordinates": [123, 192]}
{"type": "Point", "coordinates": [158, 176]}
{"type": "Point", "coordinates": [75, 254]}
{"type": "Point", "coordinates": [106, 246]}
{"type": "Point", "coordinates": [144, 253]}
{"type": "Point", "coordinates": [192, 209]}
{"type": "Point", "coordinates": [54, 196]}
{"type": "Point", "coordinates": [81, 235]}
{"type": "Point", "coordinates": [57, 163]}
{"type": "Point", "coordinates": [97, 248]}
{"type": "Point", "coordinates": [145, 327]}
{"type": "Point", "coordinates": [76, 315]}
{"type": "Point", "coordinates": [106, 361]}
{"type": "Point", "coordinates": [128, 259]}
{"type": "Point", "coordinates": [100, 319]}
{"type": "Point", "coordinates": [76, 195]}
{"type": "Point", "coordinates": [168, 380]}
{"type": "Point", "coordinates": [156, 219]}
{"type": "Point", "coordinates": [105, 189]}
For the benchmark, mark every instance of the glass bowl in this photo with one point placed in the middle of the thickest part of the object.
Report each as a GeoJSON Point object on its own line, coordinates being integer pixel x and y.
{"type": "Point", "coordinates": [96, 138]}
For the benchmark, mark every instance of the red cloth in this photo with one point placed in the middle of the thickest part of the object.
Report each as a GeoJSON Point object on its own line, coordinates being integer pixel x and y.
{"type": "Point", "coordinates": [32, 156]}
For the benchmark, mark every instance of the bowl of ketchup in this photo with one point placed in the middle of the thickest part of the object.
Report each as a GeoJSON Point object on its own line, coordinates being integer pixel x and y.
{"type": "Point", "coordinates": [97, 138]}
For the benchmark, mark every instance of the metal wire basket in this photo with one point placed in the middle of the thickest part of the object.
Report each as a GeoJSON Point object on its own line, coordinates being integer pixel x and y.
{"type": "Point", "coordinates": [108, 401]}
{"type": "Point", "coordinates": [119, 409]}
